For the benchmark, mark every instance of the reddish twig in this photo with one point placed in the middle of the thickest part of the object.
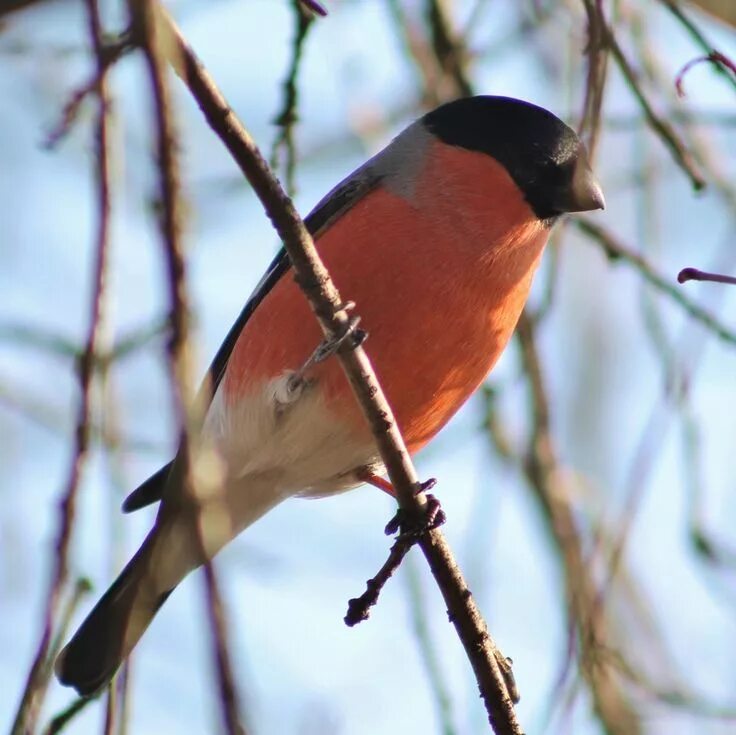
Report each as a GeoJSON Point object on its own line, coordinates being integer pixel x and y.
{"type": "Point", "coordinates": [313, 278]}
{"type": "Point", "coordinates": [147, 30]}
{"type": "Point", "coordinates": [314, 6]}
{"type": "Point", "coordinates": [40, 672]}
{"type": "Point", "coordinates": [715, 57]}
{"type": "Point", "coordinates": [693, 274]}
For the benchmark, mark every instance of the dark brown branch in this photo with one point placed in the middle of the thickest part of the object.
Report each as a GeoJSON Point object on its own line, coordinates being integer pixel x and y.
{"type": "Point", "coordinates": [147, 30]}
{"type": "Point", "coordinates": [40, 673]}
{"type": "Point", "coordinates": [108, 54]}
{"type": "Point", "coordinates": [334, 320]}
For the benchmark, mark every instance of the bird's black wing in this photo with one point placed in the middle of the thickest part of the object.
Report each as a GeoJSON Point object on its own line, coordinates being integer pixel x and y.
{"type": "Point", "coordinates": [327, 211]}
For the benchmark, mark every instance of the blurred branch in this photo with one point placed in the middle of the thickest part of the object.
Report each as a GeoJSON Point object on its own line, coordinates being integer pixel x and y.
{"type": "Point", "coordinates": [693, 274]}
{"type": "Point", "coordinates": [288, 116]}
{"type": "Point", "coordinates": [11, 6]}
{"type": "Point", "coordinates": [658, 124]}
{"type": "Point", "coordinates": [716, 58]}
{"type": "Point", "coordinates": [447, 46]}
{"type": "Point", "coordinates": [328, 307]}
{"type": "Point", "coordinates": [595, 84]}
{"type": "Point", "coordinates": [543, 473]}
{"type": "Point", "coordinates": [40, 673]}
{"type": "Point", "coordinates": [57, 344]}
{"type": "Point", "coordinates": [616, 250]}
{"type": "Point", "coordinates": [61, 720]}
{"type": "Point", "coordinates": [149, 31]}
{"type": "Point", "coordinates": [314, 6]}
{"type": "Point", "coordinates": [545, 477]}
{"type": "Point", "coordinates": [700, 39]}
{"type": "Point", "coordinates": [28, 405]}
{"type": "Point", "coordinates": [109, 53]}
{"type": "Point", "coordinates": [432, 662]}
{"type": "Point", "coordinates": [723, 10]}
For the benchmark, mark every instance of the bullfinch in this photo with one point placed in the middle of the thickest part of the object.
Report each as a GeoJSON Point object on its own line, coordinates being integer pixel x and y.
{"type": "Point", "coordinates": [436, 239]}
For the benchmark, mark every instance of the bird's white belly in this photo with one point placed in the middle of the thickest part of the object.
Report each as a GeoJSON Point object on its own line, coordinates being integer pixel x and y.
{"type": "Point", "coordinates": [289, 436]}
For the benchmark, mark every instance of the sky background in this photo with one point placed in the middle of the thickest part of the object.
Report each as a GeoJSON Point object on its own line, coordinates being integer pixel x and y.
{"type": "Point", "coordinates": [287, 580]}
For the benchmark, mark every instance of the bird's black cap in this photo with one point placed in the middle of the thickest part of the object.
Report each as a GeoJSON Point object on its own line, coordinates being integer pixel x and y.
{"type": "Point", "coordinates": [542, 155]}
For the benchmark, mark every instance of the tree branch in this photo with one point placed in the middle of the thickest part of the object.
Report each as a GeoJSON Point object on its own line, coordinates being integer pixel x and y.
{"type": "Point", "coordinates": [147, 30]}
{"type": "Point", "coordinates": [40, 672]}
{"type": "Point", "coordinates": [327, 305]}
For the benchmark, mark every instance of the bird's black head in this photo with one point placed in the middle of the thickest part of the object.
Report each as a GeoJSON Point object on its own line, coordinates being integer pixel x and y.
{"type": "Point", "coordinates": [542, 155]}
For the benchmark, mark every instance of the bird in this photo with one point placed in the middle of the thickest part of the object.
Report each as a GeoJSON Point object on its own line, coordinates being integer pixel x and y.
{"type": "Point", "coordinates": [436, 240]}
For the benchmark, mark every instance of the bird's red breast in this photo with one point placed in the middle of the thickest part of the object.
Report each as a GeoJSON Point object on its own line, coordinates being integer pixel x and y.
{"type": "Point", "coordinates": [439, 274]}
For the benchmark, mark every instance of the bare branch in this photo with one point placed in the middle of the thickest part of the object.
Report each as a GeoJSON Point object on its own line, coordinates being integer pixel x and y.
{"type": "Point", "coordinates": [616, 250]}
{"type": "Point", "coordinates": [724, 66]}
{"type": "Point", "coordinates": [693, 274]}
{"type": "Point", "coordinates": [334, 320]}
{"type": "Point", "coordinates": [288, 116]}
{"type": "Point", "coordinates": [716, 58]}
{"type": "Point", "coordinates": [147, 30]}
{"type": "Point", "coordinates": [543, 471]}
{"type": "Point", "coordinates": [658, 124]}
{"type": "Point", "coordinates": [40, 673]}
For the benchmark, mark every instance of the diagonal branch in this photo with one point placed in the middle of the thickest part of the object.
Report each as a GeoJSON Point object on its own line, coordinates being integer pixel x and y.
{"type": "Point", "coordinates": [334, 320]}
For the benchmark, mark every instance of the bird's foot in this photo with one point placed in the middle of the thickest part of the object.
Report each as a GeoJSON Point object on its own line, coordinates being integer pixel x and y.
{"type": "Point", "coordinates": [410, 526]}
{"type": "Point", "coordinates": [329, 346]}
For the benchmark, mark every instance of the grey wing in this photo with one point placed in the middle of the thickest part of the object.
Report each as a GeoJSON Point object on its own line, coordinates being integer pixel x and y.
{"type": "Point", "coordinates": [330, 208]}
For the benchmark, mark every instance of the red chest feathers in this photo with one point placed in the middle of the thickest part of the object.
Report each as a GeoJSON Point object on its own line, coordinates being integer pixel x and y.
{"type": "Point", "coordinates": [439, 279]}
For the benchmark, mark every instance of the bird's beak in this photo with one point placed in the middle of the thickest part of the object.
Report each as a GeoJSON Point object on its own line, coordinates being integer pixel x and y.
{"type": "Point", "coordinates": [585, 192]}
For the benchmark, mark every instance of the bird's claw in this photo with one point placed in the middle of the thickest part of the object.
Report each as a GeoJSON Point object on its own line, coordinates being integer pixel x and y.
{"type": "Point", "coordinates": [411, 527]}
{"type": "Point", "coordinates": [329, 346]}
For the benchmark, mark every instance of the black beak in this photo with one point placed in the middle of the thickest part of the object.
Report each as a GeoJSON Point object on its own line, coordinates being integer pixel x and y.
{"type": "Point", "coordinates": [585, 192]}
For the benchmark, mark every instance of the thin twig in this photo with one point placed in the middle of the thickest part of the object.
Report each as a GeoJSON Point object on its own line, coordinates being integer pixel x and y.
{"type": "Point", "coordinates": [327, 305]}
{"type": "Point", "coordinates": [657, 123]}
{"type": "Point", "coordinates": [616, 250]}
{"type": "Point", "coordinates": [60, 721]}
{"type": "Point", "coordinates": [146, 25]}
{"type": "Point", "coordinates": [693, 274]}
{"type": "Point", "coordinates": [715, 57]}
{"type": "Point", "coordinates": [108, 54]}
{"type": "Point", "coordinates": [40, 672]}
{"type": "Point", "coordinates": [288, 116]}
{"type": "Point", "coordinates": [702, 41]}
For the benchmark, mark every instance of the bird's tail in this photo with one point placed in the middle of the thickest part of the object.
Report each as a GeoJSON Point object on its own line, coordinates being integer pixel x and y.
{"type": "Point", "coordinates": [116, 622]}
{"type": "Point", "coordinates": [168, 554]}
